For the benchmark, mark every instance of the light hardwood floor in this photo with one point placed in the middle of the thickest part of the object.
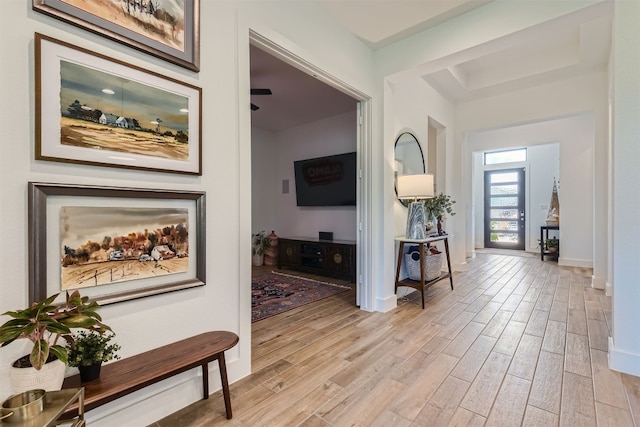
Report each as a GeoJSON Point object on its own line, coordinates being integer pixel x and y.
{"type": "Point", "coordinates": [518, 342]}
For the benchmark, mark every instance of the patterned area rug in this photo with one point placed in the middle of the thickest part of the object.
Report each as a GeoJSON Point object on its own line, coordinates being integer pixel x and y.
{"type": "Point", "coordinates": [274, 293]}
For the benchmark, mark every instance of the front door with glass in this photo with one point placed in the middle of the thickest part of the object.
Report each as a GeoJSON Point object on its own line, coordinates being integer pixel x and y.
{"type": "Point", "coordinates": [504, 218]}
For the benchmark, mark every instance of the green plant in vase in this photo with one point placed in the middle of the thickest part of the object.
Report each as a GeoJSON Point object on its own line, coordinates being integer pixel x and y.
{"type": "Point", "coordinates": [437, 207]}
{"type": "Point", "coordinates": [89, 350]}
{"type": "Point", "coordinates": [44, 323]}
{"type": "Point", "coordinates": [48, 325]}
{"type": "Point", "coordinates": [260, 243]}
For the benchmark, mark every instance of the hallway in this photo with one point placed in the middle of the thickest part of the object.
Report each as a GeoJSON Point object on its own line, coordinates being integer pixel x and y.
{"type": "Point", "coordinates": [518, 342]}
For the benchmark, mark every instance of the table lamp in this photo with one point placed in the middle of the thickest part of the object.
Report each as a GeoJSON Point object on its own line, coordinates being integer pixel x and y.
{"type": "Point", "coordinates": [419, 186]}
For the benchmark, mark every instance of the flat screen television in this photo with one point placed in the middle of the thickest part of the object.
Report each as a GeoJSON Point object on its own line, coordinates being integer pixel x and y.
{"type": "Point", "coordinates": [326, 181]}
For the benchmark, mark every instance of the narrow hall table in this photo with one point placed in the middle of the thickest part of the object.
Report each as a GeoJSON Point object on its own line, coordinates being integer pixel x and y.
{"type": "Point", "coordinates": [422, 284]}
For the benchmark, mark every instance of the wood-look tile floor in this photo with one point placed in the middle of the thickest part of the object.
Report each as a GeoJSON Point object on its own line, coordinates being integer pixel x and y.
{"type": "Point", "coordinates": [518, 342]}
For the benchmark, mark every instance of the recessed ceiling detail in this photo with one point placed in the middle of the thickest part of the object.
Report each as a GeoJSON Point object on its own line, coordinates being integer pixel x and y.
{"type": "Point", "coordinates": [569, 51]}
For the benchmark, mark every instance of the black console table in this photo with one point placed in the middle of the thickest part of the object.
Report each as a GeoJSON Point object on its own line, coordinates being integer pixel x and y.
{"type": "Point", "coordinates": [335, 258]}
{"type": "Point", "coordinates": [544, 236]}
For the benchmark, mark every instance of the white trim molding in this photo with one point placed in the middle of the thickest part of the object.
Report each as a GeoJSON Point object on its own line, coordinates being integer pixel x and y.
{"type": "Point", "coordinates": [628, 363]}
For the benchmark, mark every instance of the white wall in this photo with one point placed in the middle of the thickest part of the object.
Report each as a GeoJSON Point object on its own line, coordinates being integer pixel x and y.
{"type": "Point", "coordinates": [554, 112]}
{"type": "Point", "coordinates": [265, 184]}
{"type": "Point", "coordinates": [273, 154]}
{"type": "Point", "coordinates": [624, 346]}
{"type": "Point", "coordinates": [333, 135]}
{"type": "Point", "coordinates": [541, 167]}
{"type": "Point", "coordinates": [409, 103]}
{"type": "Point", "coordinates": [224, 303]}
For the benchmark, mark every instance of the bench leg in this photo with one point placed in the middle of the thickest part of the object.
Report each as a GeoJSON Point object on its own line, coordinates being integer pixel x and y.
{"type": "Point", "coordinates": [225, 385]}
{"type": "Point", "coordinates": [205, 381]}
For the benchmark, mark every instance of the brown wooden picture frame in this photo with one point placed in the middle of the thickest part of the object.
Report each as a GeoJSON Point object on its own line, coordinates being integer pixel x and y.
{"type": "Point", "coordinates": [45, 200]}
{"type": "Point", "coordinates": [95, 110]}
{"type": "Point", "coordinates": [182, 48]}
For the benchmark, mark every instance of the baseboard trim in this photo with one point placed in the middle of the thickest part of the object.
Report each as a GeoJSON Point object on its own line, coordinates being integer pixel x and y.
{"type": "Point", "coordinates": [572, 262]}
{"type": "Point", "coordinates": [598, 282]}
{"type": "Point", "coordinates": [460, 266]}
{"type": "Point", "coordinates": [386, 304]}
{"type": "Point", "coordinates": [628, 363]}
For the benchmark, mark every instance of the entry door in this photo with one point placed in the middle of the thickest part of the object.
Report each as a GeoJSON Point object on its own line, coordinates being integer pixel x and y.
{"type": "Point", "coordinates": [504, 209]}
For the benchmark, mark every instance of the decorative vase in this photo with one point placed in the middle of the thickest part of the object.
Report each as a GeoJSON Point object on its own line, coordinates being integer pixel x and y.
{"type": "Point", "coordinates": [48, 378]}
{"type": "Point", "coordinates": [440, 230]}
{"type": "Point", "coordinates": [258, 259]}
{"type": "Point", "coordinates": [271, 254]}
{"type": "Point", "coordinates": [90, 373]}
{"type": "Point", "coordinates": [430, 225]}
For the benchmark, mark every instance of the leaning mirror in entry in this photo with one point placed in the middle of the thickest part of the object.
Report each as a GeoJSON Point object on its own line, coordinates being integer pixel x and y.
{"type": "Point", "coordinates": [408, 159]}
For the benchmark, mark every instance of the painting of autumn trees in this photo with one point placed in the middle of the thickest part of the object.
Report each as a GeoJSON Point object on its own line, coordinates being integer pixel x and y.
{"type": "Point", "coordinates": [102, 245]}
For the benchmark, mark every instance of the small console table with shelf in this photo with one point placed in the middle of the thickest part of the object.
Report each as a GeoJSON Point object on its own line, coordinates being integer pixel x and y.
{"type": "Point", "coordinates": [422, 284]}
{"type": "Point", "coordinates": [335, 258]}
{"type": "Point", "coordinates": [544, 236]}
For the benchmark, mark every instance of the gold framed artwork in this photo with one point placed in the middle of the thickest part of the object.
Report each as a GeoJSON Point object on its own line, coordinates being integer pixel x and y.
{"type": "Point", "coordinates": [115, 244]}
{"type": "Point", "coordinates": [96, 110]}
{"type": "Point", "coordinates": [167, 29]}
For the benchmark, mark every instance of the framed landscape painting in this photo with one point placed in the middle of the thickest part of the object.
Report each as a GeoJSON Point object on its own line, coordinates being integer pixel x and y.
{"type": "Point", "coordinates": [114, 244]}
{"type": "Point", "coordinates": [168, 29]}
{"type": "Point", "coordinates": [96, 110]}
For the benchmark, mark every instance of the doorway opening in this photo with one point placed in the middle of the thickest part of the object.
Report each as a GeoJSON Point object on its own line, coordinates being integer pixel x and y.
{"type": "Point", "coordinates": [360, 136]}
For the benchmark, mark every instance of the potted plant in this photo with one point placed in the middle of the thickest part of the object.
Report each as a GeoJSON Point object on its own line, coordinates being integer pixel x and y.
{"type": "Point", "coordinates": [437, 207]}
{"type": "Point", "coordinates": [552, 245]}
{"type": "Point", "coordinates": [260, 243]}
{"type": "Point", "coordinates": [45, 323]}
{"type": "Point", "coordinates": [89, 350]}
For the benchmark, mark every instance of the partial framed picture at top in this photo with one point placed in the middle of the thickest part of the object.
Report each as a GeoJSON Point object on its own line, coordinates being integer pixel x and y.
{"type": "Point", "coordinates": [114, 244]}
{"type": "Point", "coordinates": [96, 110]}
{"type": "Point", "coordinates": [168, 29]}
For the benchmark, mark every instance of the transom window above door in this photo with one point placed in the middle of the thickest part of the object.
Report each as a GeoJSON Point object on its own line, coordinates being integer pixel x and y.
{"type": "Point", "coordinates": [505, 156]}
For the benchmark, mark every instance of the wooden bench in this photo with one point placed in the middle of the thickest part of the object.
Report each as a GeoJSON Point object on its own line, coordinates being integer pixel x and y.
{"type": "Point", "coordinates": [125, 376]}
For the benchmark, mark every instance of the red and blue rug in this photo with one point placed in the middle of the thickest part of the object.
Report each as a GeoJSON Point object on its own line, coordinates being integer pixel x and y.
{"type": "Point", "coordinates": [275, 293]}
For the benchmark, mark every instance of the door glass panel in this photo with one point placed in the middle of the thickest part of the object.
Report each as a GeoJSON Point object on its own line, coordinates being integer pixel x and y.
{"type": "Point", "coordinates": [507, 189]}
{"type": "Point", "coordinates": [498, 178]}
{"type": "Point", "coordinates": [504, 225]}
{"type": "Point", "coordinates": [498, 237]}
{"type": "Point", "coordinates": [504, 213]}
{"type": "Point", "coordinates": [504, 201]}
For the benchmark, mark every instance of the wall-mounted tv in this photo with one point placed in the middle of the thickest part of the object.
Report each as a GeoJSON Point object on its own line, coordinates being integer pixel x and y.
{"type": "Point", "coordinates": [326, 181]}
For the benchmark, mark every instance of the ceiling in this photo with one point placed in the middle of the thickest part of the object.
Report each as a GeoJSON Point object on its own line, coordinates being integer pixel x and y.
{"type": "Point", "coordinates": [297, 97]}
{"type": "Point", "coordinates": [574, 45]}
{"type": "Point", "coordinates": [382, 22]}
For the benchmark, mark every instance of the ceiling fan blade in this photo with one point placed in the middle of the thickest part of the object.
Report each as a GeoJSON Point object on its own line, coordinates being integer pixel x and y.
{"type": "Point", "coordinates": [254, 107]}
{"type": "Point", "coordinates": [261, 92]}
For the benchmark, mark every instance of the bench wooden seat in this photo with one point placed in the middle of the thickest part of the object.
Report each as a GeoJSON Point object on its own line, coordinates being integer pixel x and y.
{"type": "Point", "coordinates": [133, 373]}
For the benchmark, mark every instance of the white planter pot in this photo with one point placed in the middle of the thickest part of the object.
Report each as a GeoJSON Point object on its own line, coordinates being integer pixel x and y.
{"type": "Point", "coordinates": [258, 259]}
{"type": "Point", "coordinates": [49, 378]}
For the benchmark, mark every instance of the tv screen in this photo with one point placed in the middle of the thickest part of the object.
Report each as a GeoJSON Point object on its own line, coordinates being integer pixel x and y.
{"type": "Point", "coordinates": [326, 181]}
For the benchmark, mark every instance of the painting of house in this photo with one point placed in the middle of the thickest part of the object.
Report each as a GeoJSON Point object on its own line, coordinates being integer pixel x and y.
{"type": "Point", "coordinates": [108, 119]}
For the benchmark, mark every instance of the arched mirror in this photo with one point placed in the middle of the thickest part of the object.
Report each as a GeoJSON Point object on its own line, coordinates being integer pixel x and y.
{"type": "Point", "coordinates": [409, 159]}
